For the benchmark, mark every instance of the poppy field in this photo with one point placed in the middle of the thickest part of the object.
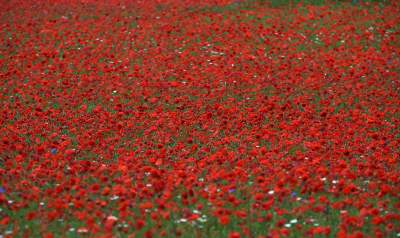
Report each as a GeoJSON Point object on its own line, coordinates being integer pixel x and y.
{"type": "Point", "coordinates": [167, 118]}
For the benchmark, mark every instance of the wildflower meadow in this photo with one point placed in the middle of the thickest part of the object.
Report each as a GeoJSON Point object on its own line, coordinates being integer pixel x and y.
{"type": "Point", "coordinates": [212, 118]}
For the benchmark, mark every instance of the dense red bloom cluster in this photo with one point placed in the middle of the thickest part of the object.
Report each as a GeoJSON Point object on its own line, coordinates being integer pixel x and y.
{"type": "Point", "coordinates": [219, 118]}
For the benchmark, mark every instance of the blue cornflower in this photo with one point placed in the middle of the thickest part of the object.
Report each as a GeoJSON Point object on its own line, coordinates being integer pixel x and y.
{"type": "Point", "coordinates": [53, 151]}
